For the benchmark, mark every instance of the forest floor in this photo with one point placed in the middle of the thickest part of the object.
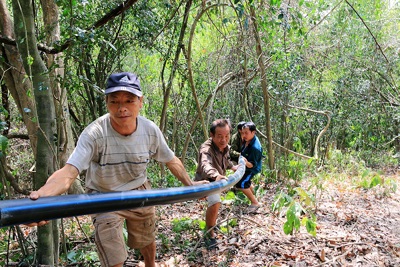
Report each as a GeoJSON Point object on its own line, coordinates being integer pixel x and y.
{"type": "Point", "coordinates": [355, 227]}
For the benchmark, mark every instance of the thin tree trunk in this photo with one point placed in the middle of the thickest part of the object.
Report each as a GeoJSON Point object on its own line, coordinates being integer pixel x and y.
{"type": "Point", "coordinates": [190, 71]}
{"type": "Point", "coordinates": [163, 119]}
{"type": "Point", "coordinates": [65, 140]}
{"type": "Point", "coordinates": [271, 157]}
{"type": "Point", "coordinates": [14, 75]}
{"type": "Point", "coordinates": [37, 72]}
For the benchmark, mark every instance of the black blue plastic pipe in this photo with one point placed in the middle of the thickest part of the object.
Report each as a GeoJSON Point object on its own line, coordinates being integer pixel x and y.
{"type": "Point", "coordinates": [23, 211]}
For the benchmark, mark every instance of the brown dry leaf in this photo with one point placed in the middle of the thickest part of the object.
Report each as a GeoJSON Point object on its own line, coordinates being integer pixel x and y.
{"type": "Point", "coordinates": [288, 256]}
{"type": "Point", "coordinates": [322, 255]}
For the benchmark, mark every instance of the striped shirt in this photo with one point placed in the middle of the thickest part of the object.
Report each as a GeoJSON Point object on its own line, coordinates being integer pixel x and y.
{"type": "Point", "coordinates": [115, 162]}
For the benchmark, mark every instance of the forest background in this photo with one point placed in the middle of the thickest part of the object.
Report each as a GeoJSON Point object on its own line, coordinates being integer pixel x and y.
{"type": "Point", "coordinates": [318, 78]}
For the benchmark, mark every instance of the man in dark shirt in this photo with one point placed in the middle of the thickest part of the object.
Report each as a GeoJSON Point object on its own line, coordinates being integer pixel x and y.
{"type": "Point", "coordinates": [253, 152]}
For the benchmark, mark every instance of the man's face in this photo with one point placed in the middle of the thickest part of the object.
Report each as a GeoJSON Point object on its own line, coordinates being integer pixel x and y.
{"type": "Point", "coordinates": [221, 137]}
{"type": "Point", "coordinates": [124, 108]}
{"type": "Point", "coordinates": [247, 135]}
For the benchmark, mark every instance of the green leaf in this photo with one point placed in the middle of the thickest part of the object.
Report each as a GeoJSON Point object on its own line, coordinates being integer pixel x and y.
{"type": "Point", "coordinates": [72, 256]}
{"type": "Point", "coordinates": [296, 223]}
{"type": "Point", "coordinates": [223, 229]}
{"type": "Point", "coordinates": [311, 227]}
{"type": "Point", "coordinates": [296, 209]}
{"type": "Point", "coordinates": [3, 143]}
{"type": "Point", "coordinates": [275, 2]}
{"type": "Point", "coordinates": [288, 228]}
{"type": "Point", "coordinates": [30, 60]}
{"type": "Point", "coordinates": [290, 215]}
{"type": "Point", "coordinates": [66, 12]}
{"type": "Point", "coordinates": [280, 201]}
{"type": "Point", "coordinates": [304, 196]}
{"type": "Point", "coordinates": [233, 222]}
{"type": "Point", "coordinates": [365, 173]}
{"type": "Point", "coordinates": [376, 180]}
{"type": "Point", "coordinates": [230, 196]}
{"type": "Point", "coordinates": [202, 225]}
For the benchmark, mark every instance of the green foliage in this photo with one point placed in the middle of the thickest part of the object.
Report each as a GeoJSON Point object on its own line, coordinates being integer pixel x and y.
{"type": "Point", "coordinates": [294, 169]}
{"type": "Point", "coordinates": [351, 167]}
{"type": "Point", "coordinates": [3, 139]}
{"type": "Point", "coordinates": [378, 158]}
{"type": "Point", "coordinates": [259, 186]}
{"type": "Point", "coordinates": [292, 218]}
{"type": "Point", "coordinates": [85, 256]}
{"type": "Point", "coordinates": [9, 243]}
{"type": "Point", "coordinates": [369, 182]}
{"type": "Point", "coordinates": [228, 198]}
{"type": "Point", "coordinates": [183, 224]}
{"type": "Point", "coordinates": [340, 162]}
{"type": "Point", "coordinates": [3, 145]}
{"type": "Point", "coordinates": [270, 176]}
{"type": "Point", "coordinates": [183, 227]}
{"type": "Point", "coordinates": [314, 72]}
{"type": "Point", "coordinates": [298, 210]}
{"type": "Point", "coordinates": [226, 225]}
{"type": "Point", "coordinates": [310, 224]}
{"type": "Point", "coordinates": [165, 242]}
{"type": "Point", "coordinates": [237, 198]}
{"type": "Point", "coordinates": [3, 243]}
{"type": "Point", "coordinates": [374, 181]}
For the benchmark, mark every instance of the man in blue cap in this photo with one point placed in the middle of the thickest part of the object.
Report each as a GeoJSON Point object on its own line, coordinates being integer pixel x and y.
{"type": "Point", "coordinates": [115, 149]}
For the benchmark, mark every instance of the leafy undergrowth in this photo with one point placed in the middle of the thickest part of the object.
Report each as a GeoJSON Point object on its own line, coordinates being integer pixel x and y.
{"type": "Point", "coordinates": [355, 227]}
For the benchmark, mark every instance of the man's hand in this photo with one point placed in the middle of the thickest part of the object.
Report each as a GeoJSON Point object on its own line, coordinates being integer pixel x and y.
{"type": "Point", "coordinates": [221, 177]}
{"type": "Point", "coordinates": [34, 196]}
{"type": "Point", "coordinates": [200, 182]}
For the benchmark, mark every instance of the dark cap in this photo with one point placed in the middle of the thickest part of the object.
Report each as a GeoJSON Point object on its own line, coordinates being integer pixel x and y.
{"type": "Point", "coordinates": [124, 81]}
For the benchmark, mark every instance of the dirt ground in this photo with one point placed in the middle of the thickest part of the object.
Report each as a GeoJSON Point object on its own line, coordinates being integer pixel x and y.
{"type": "Point", "coordinates": [355, 227]}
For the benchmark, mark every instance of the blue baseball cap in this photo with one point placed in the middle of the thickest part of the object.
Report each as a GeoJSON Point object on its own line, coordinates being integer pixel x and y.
{"type": "Point", "coordinates": [123, 81]}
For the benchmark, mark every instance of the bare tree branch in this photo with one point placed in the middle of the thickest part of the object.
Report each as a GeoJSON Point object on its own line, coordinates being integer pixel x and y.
{"type": "Point", "coordinates": [10, 178]}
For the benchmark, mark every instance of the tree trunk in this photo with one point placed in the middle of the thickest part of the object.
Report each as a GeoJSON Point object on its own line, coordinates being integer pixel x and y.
{"type": "Point", "coordinates": [190, 71]}
{"type": "Point", "coordinates": [163, 119]}
{"type": "Point", "coordinates": [271, 157]}
{"type": "Point", "coordinates": [37, 73]}
{"type": "Point", "coordinates": [14, 76]}
{"type": "Point", "coordinates": [65, 140]}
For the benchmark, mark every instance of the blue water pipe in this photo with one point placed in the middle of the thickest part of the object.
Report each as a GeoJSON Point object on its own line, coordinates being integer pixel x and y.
{"type": "Point", "coordinates": [24, 211]}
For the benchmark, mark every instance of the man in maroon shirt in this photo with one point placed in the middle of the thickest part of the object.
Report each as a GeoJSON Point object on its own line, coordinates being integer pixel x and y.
{"type": "Point", "coordinates": [213, 161]}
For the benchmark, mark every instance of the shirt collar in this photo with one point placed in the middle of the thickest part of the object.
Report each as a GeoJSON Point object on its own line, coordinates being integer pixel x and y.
{"type": "Point", "coordinates": [216, 148]}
